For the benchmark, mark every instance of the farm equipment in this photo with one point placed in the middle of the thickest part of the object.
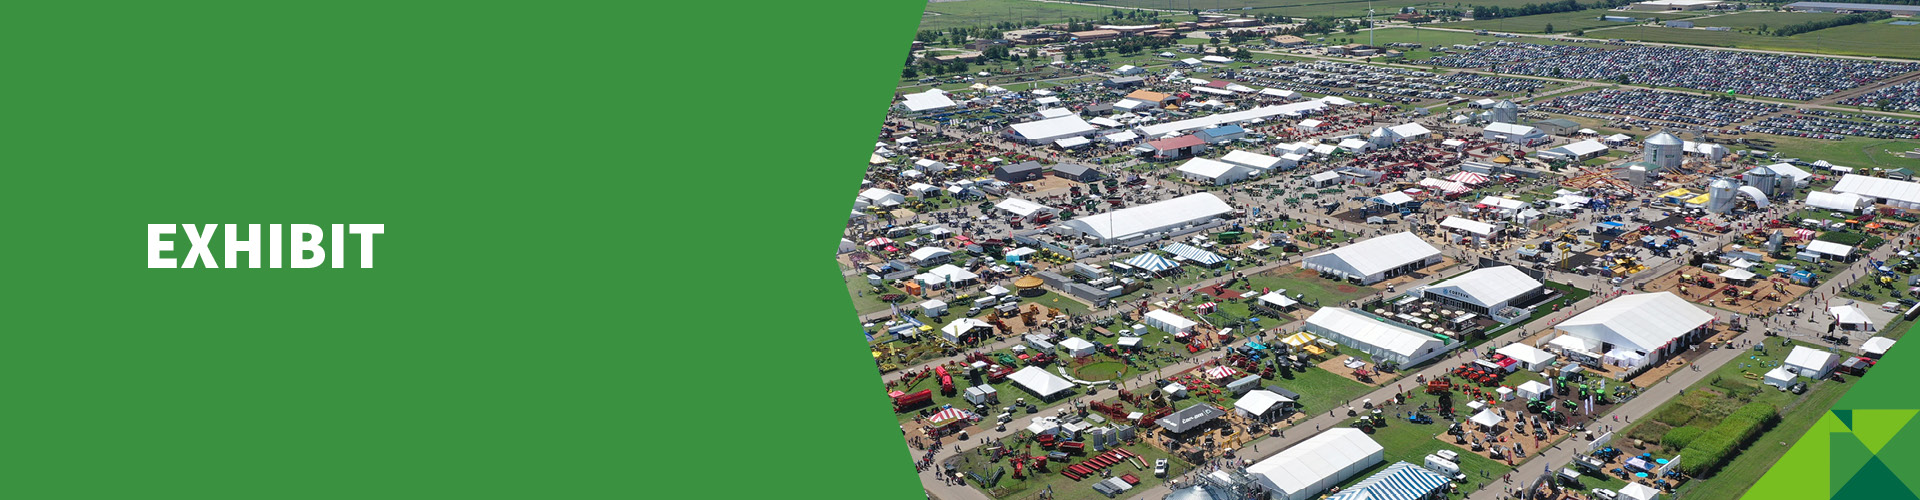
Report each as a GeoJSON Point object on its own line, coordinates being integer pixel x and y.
{"type": "Point", "coordinates": [1439, 385]}
{"type": "Point", "coordinates": [946, 379]}
{"type": "Point", "coordinates": [908, 401]}
{"type": "Point", "coordinates": [1420, 418]}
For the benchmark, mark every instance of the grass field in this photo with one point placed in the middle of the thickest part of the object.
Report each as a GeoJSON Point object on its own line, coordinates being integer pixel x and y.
{"type": "Point", "coordinates": [1562, 21]}
{"type": "Point", "coordinates": [1877, 39]}
{"type": "Point", "coordinates": [1750, 20]}
{"type": "Point", "coordinates": [1852, 152]}
{"type": "Point", "coordinates": [953, 13]}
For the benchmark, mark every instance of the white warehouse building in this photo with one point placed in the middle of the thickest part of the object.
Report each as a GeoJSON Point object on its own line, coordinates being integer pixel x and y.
{"type": "Point", "coordinates": [1383, 340]}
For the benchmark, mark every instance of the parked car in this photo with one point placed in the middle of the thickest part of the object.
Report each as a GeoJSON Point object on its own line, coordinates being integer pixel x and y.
{"type": "Point", "coordinates": [1160, 468]}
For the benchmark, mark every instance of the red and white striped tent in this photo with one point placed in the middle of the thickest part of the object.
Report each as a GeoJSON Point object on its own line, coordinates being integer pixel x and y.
{"type": "Point", "coordinates": [879, 241]}
{"type": "Point", "coordinates": [1805, 234]}
{"type": "Point", "coordinates": [1220, 372]}
{"type": "Point", "coordinates": [949, 415]}
{"type": "Point", "coordinates": [1468, 178]}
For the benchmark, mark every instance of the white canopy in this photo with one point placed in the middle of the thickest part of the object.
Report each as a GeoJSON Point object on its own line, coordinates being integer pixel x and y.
{"type": "Point", "coordinates": [1896, 192]}
{"type": "Point", "coordinates": [1779, 377]}
{"type": "Point", "coordinates": [1395, 198]}
{"type": "Point", "coordinates": [1829, 248]}
{"type": "Point", "coordinates": [1810, 362]}
{"type": "Point", "coordinates": [1534, 389]}
{"type": "Point", "coordinates": [1259, 401]}
{"type": "Point", "coordinates": [1036, 380]}
{"type": "Point", "coordinates": [1022, 208]}
{"type": "Point", "coordinates": [1527, 355]}
{"type": "Point", "coordinates": [1077, 346]}
{"type": "Point", "coordinates": [1468, 225]}
{"type": "Point", "coordinates": [1876, 346]}
{"type": "Point", "coordinates": [1169, 322]}
{"type": "Point", "coordinates": [1127, 222]}
{"type": "Point", "coordinates": [1849, 314]}
{"type": "Point", "coordinates": [961, 326]}
{"type": "Point", "coordinates": [1487, 418]}
{"type": "Point", "coordinates": [1737, 274]}
{"type": "Point", "coordinates": [1637, 491]}
{"type": "Point", "coordinates": [1575, 344]}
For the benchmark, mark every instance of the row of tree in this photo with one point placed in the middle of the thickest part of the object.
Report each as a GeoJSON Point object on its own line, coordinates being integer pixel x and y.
{"type": "Point", "coordinates": [1830, 22]}
{"type": "Point", "coordinates": [1534, 9]}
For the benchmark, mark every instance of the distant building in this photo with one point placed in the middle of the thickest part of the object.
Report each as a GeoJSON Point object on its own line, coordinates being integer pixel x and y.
{"type": "Point", "coordinates": [1679, 24]}
{"type": "Point", "coordinates": [1095, 35]}
{"type": "Point", "coordinates": [986, 43]}
{"type": "Point", "coordinates": [1287, 41]}
{"type": "Point", "coordinates": [1557, 126]}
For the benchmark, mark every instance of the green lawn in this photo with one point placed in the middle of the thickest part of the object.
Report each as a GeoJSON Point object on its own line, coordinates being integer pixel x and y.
{"type": "Point", "coordinates": [1854, 152]}
{"type": "Point", "coordinates": [1751, 20]}
{"type": "Point", "coordinates": [1320, 390]}
{"type": "Point", "coordinates": [864, 299]}
{"type": "Point", "coordinates": [1874, 39]}
{"type": "Point", "coordinates": [1327, 293]}
{"type": "Point", "coordinates": [1562, 21]}
{"type": "Point", "coordinates": [1057, 301]}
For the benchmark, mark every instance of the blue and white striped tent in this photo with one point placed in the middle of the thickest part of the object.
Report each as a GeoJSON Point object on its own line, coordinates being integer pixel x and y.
{"type": "Point", "coordinates": [1152, 263]}
{"type": "Point", "coordinates": [1198, 256]}
{"type": "Point", "coordinates": [1400, 481]}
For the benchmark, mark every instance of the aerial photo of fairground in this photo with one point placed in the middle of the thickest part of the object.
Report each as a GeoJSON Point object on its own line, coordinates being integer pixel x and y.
{"type": "Point", "coordinates": [1390, 250]}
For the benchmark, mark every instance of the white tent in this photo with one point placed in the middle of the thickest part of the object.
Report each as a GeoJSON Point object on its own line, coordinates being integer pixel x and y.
{"type": "Point", "coordinates": [1077, 347]}
{"type": "Point", "coordinates": [1159, 216]}
{"type": "Point", "coordinates": [1037, 381]}
{"type": "Point", "coordinates": [1876, 346]}
{"type": "Point", "coordinates": [1898, 193]}
{"type": "Point", "coordinates": [1214, 172]}
{"type": "Point", "coordinates": [1530, 359]}
{"type": "Point", "coordinates": [925, 254]}
{"type": "Point", "coordinates": [1779, 377]}
{"type": "Point", "coordinates": [1260, 401]}
{"type": "Point", "coordinates": [1169, 322]}
{"type": "Point", "coordinates": [1643, 322]}
{"type": "Point", "coordinates": [1371, 260]}
{"type": "Point", "coordinates": [1322, 461]}
{"type": "Point", "coordinates": [846, 245]}
{"type": "Point", "coordinates": [960, 327]}
{"type": "Point", "coordinates": [1811, 363]}
{"type": "Point", "coordinates": [1737, 274]}
{"type": "Point", "coordinates": [1469, 225]}
{"type": "Point", "coordinates": [1570, 343]}
{"type": "Point", "coordinates": [1022, 208]}
{"type": "Point", "coordinates": [1533, 389]}
{"type": "Point", "coordinates": [1845, 202]}
{"type": "Point", "coordinates": [930, 100]}
{"type": "Point", "coordinates": [1382, 340]}
{"type": "Point", "coordinates": [934, 307]}
{"type": "Point", "coordinates": [1829, 248]}
{"type": "Point", "coordinates": [1637, 491]}
{"type": "Point", "coordinates": [1851, 317]}
{"type": "Point", "coordinates": [1487, 418]}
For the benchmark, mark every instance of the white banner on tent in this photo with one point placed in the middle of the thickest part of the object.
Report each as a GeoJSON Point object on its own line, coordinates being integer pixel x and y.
{"type": "Point", "coordinates": [1662, 470]}
{"type": "Point", "coordinates": [1600, 442]}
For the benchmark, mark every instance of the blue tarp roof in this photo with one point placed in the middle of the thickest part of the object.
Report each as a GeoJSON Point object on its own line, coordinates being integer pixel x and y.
{"type": "Point", "coordinates": [1612, 224]}
{"type": "Point", "coordinates": [1224, 130]}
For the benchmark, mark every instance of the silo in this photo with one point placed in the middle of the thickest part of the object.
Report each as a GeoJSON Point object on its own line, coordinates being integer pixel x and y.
{"type": "Point", "coordinates": [1762, 178]}
{"type": "Point", "coordinates": [1665, 150]}
{"type": "Point", "coordinates": [1721, 196]}
{"type": "Point", "coordinates": [1504, 112]}
{"type": "Point", "coordinates": [1637, 176]}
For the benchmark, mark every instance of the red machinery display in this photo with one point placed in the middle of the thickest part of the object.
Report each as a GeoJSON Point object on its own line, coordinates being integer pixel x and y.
{"type": "Point", "coordinates": [909, 401]}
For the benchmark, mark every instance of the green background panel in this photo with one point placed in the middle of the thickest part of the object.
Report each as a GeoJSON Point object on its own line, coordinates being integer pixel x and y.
{"type": "Point", "coordinates": [577, 196]}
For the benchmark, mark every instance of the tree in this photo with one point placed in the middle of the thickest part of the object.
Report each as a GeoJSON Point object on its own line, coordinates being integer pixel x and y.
{"type": "Point", "coordinates": [909, 73]}
{"type": "Point", "coordinates": [1351, 28]}
{"type": "Point", "coordinates": [1549, 28]}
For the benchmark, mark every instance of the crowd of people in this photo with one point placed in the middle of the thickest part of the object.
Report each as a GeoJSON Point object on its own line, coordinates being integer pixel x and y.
{"type": "Point", "coordinates": [1674, 107]}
